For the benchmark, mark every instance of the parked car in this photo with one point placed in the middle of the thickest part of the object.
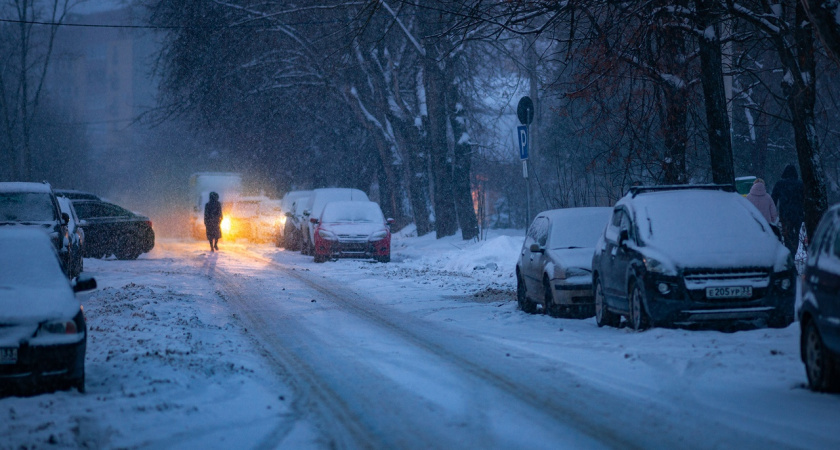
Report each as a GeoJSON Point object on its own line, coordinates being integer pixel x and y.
{"type": "Point", "coordinates": [555, 265]}
{"type": "Point", "coordinates": [287, 207]}
{"type": "Point", "coordinates": [819, 306]}
{"type": "Point", "coordinates": [43, 334]}
{"type": "Point", "coordinates": [315, 206]}
{"type": "Point", "coordinates": [678, 255]}
{"type": "Point", "coordinates": [111, 229]}
{"type": "Point", "coordinates": [73, 194]}
{"type": "Point", "coordinates": [353, 229]}
{"type": "Point", "coordinates": [294, 226]}
{"type": "Point", "coordinates": [77, 237]}
{"type": "Point", "coordinates": [35, 205]}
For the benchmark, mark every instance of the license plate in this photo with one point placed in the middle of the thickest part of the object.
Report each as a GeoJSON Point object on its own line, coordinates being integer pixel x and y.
{"type": "Point", "coordinates": [8, 355]}
{"type": "Point", "coordinates": [729, 292]}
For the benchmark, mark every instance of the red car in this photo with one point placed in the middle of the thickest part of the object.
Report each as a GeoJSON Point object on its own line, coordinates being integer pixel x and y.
{"type": "Point", "coordinates": [355, 229]}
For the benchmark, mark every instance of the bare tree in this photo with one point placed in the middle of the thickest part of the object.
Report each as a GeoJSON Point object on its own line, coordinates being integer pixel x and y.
{"type": "Point", "coordinates": [27, 46]}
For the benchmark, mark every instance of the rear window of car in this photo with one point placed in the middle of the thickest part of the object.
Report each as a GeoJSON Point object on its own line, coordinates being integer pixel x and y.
{"type": "Point", "coordinates": [26, 207]}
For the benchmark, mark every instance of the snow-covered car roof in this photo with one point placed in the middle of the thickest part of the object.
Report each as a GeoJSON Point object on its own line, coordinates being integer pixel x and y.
{"type": "Point", "coordinates": [352, 211]}
{"type": "Point", "coordinates": [576, 227]}
{"type": "Point", "coordinates": [22, 186]}
{"type": "Point", "coordinates": [33, 287]}
{"type": "Point", "coordinates": [293, 196]}
{"type": "Point", "coordinates": [321, 197]}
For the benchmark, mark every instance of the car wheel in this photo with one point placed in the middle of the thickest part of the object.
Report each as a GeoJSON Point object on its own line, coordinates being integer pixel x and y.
{"type": "Point", "coordinates": [384, 258]}
{"type": "Point", "coordinates": [550, 308]}
{"type": "Point", "coordinates": [320, 258]}
{"type": "Point", "coordinates": [126, 249]}
{"type": "Point", "coordinates": [522, 297]}
{"type": "Point", "coordinates": [603, 316]}
{"type": "Point", "coordinates": [638, 317]}
{"type": "Point", "coordinates": [820, 364]}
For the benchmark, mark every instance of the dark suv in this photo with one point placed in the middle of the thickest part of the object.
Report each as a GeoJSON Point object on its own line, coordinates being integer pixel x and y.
{"type": "Point", "coordinates": [684, 255]}
{"type": "Point", "coordinates": [112, 229]}
{"type": "Point", "coordinates": [35, 205]}
{"type": "Point", "coordinates": [819, 311]}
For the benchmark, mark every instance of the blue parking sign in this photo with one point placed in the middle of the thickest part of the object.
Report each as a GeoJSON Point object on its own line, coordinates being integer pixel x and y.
{"type": "Point", "coordinates": [522, 133]}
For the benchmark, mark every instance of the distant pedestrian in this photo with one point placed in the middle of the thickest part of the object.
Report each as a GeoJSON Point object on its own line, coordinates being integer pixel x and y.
{"type": "Point", "coordinates": [213, 221]}
{"type": "Point", "coordinates": [788, 194]}
{"type": "Point", "coordinates": [763, 202]}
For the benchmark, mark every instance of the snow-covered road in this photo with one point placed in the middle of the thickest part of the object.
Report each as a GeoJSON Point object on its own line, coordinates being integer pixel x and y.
{"type": "Point", "coordinates": [256, 347]}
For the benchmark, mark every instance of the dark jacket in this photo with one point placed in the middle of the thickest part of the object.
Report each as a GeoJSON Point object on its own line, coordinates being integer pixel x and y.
{"type": "Point", "coordinates": [788, 194]}
{"type": "Point", "coordinates": [213, 218]}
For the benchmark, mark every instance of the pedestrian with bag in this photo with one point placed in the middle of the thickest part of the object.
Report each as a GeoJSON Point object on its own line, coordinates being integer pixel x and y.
{"type": "Point", "coordinates": [213, 221]}
{"type": "Point", "coordinates": [788, 194]}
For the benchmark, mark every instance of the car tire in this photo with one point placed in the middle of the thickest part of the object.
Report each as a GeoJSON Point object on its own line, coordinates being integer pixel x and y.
{"type": "Point", "coordinates": [820, 364]}
{"type": "Point", "coordinates": [603, 315]}
{"type": "Point", "coordinates": [320, 258]}
{"type": "Point", "coordinates": [550, 308]}
{"type": "Point", "coordinates": [384, 258]}
{"type": "Point", "coordinates": [638, 316]}
{"type": "Point", "coordinates": [525, 304]}
{"type": "Point", "coordinates": [126, 249]}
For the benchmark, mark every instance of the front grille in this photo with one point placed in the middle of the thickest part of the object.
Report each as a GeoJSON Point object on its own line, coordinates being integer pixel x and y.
{"type": "Point", "coordinates": [697, 280]}
{"type": "Point", "coordinates": [726, 274]}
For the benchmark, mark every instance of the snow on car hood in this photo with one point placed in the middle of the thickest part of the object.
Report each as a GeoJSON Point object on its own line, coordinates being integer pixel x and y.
{"type": "Point", "coordinates": [572, 257]}
{"type": "Point", "coordinates": [354, 228]}
{"type": "Point", "coordinates": [26, 304]}
{"type": "Point", "coordinates": [33, 287]}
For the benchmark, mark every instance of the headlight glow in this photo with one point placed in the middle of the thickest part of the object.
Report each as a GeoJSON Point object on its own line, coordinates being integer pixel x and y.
{"type": "Point", "coordinates": [226, 225]}
{"type": "Point", "coordinates": [656, 266]}
{"type": "Point", "coordinates": [328, 235]}
{"type": "Point", "coordinates": [379, 235]}
{"type": "Point", "coordinates": [68, 327]}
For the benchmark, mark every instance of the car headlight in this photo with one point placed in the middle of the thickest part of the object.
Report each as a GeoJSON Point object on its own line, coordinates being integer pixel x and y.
{"type": "Point", "coordinates": [378, 236]}
{"type": "Point", "coordinates": [328, 235]}
{"type": "Point", "coordinates": [282, 220]}
{"type": "Point", "coordinates": [655, 266]}
{"type": "Point", "coordinates": [58, 327]}
{"type": "Point", "coordinates": [569, 272]}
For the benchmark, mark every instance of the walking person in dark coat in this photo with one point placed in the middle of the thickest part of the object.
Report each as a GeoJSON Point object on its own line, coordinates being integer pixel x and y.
{"type": "Point", "coordinates": [788, 194]}
{"type": "Point", "coordinates": [213, 221]}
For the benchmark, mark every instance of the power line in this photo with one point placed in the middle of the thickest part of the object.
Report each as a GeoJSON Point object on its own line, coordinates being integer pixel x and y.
{"type": "Point", "coordinates": [158, 27]}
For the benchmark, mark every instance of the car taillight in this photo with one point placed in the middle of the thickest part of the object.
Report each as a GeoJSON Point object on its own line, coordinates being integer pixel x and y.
{"type": "Point", "coordinates": [150, 223]}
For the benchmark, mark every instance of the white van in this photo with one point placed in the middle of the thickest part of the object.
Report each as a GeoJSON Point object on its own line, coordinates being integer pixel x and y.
{"type": "Point", "coordinates": [319, 199]}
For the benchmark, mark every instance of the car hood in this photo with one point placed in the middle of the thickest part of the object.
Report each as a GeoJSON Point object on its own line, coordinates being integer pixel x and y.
{"type": "Point", "coordinates": [354, 228]}
{"type": "Point", "coordinates": [32, 305]}
{"type": "Point", "coordinates": [722, 252]}
{"type": "Point", "coordinates": [572, 257]}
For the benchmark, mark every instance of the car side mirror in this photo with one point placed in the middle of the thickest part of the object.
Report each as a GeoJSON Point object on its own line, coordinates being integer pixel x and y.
{"type": "Point", "coordinates": [306, 212]}
{"type": "Point", "coordinates": [289, 214]}
{"type": "Point", "coordinates": [84, 283]}
{"type": "Point", "coordinates": [313, 220]}
{"type": "Point", "coordinates": [535, 248]}
{"type": "Point", "coordinates": [65, 218]}
{"type": "Point", "coordinates": [389, 221]}
{"type": "Point", "coordinates": [623, 236]}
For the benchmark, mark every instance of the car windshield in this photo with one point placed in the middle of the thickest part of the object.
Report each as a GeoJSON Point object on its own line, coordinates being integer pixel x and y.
{"type": "Point", "coordinates": [352, 212]}
{"type": "Point", "coordinates": [667, 218]}
{"type": "Point", "coordinates": [26, 207]}
{"type": "Point", "coordinates": [578, 227]}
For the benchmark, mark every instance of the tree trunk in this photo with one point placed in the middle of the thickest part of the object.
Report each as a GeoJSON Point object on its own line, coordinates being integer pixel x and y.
{"type": "Point", "coordinates": [801, 100]}
{"type": "Point", "coordinates": [711, 76]}
{"type": "Point", "coordinates": [462, 186]}
{"type": "Point", "coordinates": [446, 221]}
{"type": "Point", "coordinates": [416, 173]}
{"type": "Point", "coordinates": [675, 135]}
